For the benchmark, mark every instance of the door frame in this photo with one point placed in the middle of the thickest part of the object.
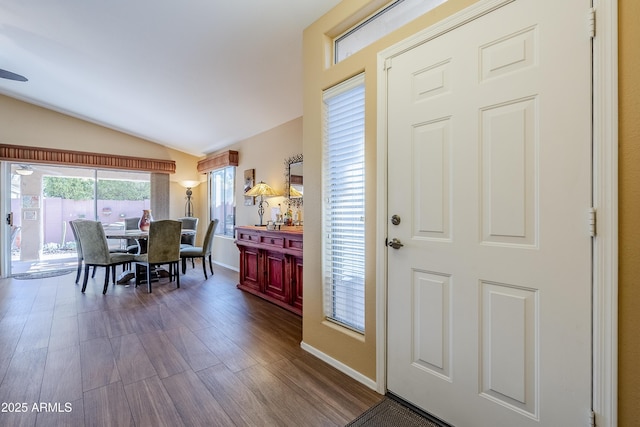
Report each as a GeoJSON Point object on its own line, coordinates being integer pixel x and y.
{"type": "Point", "coordinates": [605, 197]}
{"type": "Point", "coordinates": [5, 249]}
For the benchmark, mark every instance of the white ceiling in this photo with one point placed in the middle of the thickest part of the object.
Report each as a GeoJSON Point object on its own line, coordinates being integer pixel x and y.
{"type": "Point", "coordinates": [195, 75]}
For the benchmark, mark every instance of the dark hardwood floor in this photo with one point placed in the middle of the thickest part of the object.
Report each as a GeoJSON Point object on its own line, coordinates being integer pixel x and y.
{"type": "Point", "coordinates": [206, 354]}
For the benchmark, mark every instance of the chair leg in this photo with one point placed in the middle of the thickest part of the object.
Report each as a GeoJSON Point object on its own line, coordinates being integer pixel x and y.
{"type": "Point", "coordinates": [106, 280]}
{"type": "Point", "coordinates": [210, 264]}
{"type": "Point", "coordinates": [177, 274]}
{"type": "Point", "coordinates": [193, 263]}
{"type": "Point", "coordinates": [149, 278]}
{"type": "Point", "coordinates": [94, 272]}
{"type": "Point", "coordinates": [78, 272]}
{"type": "Point", "coordinates": [184, 265]}
{"type": "Point", "coordinates": [138, 273]}
{"type": "Point", "coordinates": [204, 268]}
{"type": "Point", "coordinates": [86, 277]}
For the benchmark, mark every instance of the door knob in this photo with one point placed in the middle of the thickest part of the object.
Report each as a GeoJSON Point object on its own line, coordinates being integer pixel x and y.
{"type": "Point", "coordinates": [395, 243]}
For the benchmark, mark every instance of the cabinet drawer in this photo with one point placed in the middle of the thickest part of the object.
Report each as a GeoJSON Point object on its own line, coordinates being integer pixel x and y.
{"type": "Point", "coordinates": [244, 236]}
{"type": "Point", "coordinates": [294, 244]}
{"type": "Point", "coordinates": [273, 241]}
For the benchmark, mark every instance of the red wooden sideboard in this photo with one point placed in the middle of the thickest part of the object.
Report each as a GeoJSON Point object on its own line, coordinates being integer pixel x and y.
{"type": "Point", "coordinates": [271, 264]}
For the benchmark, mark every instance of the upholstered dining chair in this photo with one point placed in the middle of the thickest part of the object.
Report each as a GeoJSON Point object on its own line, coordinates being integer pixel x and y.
{"type": "Point", "coordinates": [188, 240]}
{"type": "Point", "coordinates": [95, 251]}
{"type": "Point", "coordinates": [163, 247]}
{"type": "Point", "coordinates": [203, 251]}
{"type": "Point", "coordinates": [188, 223]}
{"type": "Point", "coordinates": [72, 224]}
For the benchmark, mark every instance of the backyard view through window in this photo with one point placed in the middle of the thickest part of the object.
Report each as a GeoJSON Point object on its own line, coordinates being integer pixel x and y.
{"type": "Point", "coordinates": [223, 204]}
{"type": "Point", "coordinates": [44, 201]}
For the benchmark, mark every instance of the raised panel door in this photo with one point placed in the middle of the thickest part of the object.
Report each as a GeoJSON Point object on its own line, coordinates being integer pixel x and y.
{"type": "Point", "coordinates": [275, 283]}
{"type": "Point", "coordinates": [250, 268]}
{"type": "Point", "coordinates": [489, 139]}
{"type": "Point", "coordinates": [296, 282]}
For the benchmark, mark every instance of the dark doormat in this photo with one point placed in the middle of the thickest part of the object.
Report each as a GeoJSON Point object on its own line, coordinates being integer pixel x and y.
{"type": "Point", "coordinates": [391, 413]}
{"type": "Point", "coordinates": [42, 274]}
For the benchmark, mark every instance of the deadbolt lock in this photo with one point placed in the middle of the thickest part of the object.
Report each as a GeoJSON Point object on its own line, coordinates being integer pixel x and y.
{"type": "Point", "coordinates": [395, 220]}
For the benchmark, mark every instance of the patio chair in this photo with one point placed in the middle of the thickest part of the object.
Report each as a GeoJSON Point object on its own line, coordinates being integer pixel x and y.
{"type": "Point", "coordinates": [14, 234]}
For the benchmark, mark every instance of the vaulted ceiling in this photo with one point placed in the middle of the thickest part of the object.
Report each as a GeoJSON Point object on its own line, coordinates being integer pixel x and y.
{"type": "Point", "coordinates": [194, 75]}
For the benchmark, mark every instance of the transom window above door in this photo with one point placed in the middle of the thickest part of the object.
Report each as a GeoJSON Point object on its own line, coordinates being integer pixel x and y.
{"type": "Point", "coordinates": [379, 24]}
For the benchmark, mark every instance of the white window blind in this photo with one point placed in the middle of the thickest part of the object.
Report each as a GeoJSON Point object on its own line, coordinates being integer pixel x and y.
{"type": "Point", "coordinates": [344, 202]}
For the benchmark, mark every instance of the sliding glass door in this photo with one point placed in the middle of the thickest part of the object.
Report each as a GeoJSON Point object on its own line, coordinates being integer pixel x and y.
{"type": "Point", "coordinates": [44, 198]}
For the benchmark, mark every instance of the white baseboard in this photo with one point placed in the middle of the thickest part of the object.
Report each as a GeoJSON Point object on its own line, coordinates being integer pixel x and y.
{"type": "Point", "coordinates": [230, 267]}
{"type": "Point", "coordinates": [340, 366]}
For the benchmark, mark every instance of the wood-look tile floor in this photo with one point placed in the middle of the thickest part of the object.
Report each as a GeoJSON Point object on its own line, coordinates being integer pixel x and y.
{"type": "Point", "coordinates": [206, 354]}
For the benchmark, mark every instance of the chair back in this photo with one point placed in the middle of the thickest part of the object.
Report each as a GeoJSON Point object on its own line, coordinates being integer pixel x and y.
{"type": "Point", "coordinates": [189, 223]}
{"type": "Point", "coordinates": [93, 242]}
{"type": "Point", "coordinates": [208, 238]}
{"type": "Point", "coordinates": [74, 230]}
{"type": "Point", "coordinates": [164, 241]}
{"type": "Point", "coordinates": [131, 224]}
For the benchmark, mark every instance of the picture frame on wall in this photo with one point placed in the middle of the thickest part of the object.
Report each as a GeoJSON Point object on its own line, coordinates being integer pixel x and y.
{"type": "Point", "coordinates": [249, 182]}
{"type": "Point", "coordinates": [30, 215]}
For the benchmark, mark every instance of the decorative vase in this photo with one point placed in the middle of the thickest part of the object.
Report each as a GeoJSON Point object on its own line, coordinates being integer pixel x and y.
{"type": "Point", "coordinates": [145, 220]}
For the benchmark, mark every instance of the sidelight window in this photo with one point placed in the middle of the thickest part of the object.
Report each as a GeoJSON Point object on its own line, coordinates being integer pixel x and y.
{"type": "Point", "coordinates": [344, 203]}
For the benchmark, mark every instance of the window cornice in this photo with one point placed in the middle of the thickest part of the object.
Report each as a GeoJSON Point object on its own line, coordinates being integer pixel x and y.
{"type": "Point", "coordinates": [82, 158]}
{"type": "Point", "coordinates": [217, 161]}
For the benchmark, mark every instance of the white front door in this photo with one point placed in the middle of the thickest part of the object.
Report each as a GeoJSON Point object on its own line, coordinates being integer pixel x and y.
{"type": "Point", "coordinates": [489, 173]}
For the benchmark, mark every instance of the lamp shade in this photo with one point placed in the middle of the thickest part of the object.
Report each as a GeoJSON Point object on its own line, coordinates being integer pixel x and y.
{"type": "Point", "coordinates": [293, 193]}
{"type": "Point", "coordinates": [261, 189]}
{"type": "Point", "coordinates": [189, 184]}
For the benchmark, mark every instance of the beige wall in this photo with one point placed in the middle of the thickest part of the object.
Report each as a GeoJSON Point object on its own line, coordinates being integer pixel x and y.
{"type": "Point", "coordinates": [356, 351]}
{"type": "Point", "coordinates": [26, 124]}
{"type": "Point", "coordinates": [629, 213]}
{"type": "Point", "coordinates": [29, 125]}
{"type": "Point", "coordinates": [266, 153]}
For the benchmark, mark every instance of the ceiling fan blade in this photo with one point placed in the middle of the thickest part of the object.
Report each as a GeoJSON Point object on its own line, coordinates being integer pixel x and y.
{"type": "Point", "coordinates": [12, 76]}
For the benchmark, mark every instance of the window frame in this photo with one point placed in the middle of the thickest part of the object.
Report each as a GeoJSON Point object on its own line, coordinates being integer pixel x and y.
{"type": "Point", "coordinates": [227, 223]}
